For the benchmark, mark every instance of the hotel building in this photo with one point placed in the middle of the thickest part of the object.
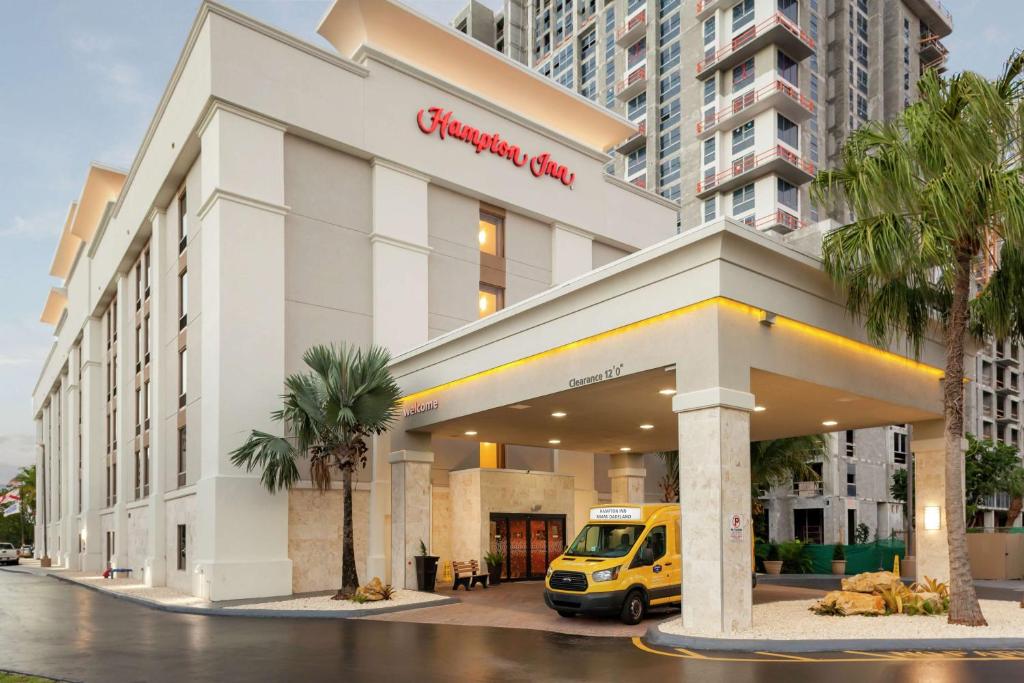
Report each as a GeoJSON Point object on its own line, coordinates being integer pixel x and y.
{"type": "Point", "coordinates": [414, 189]}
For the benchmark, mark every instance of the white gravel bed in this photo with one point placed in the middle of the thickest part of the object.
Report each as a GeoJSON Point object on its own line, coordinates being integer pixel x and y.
{"type": "Point", "coordinates": [791, 620]}
{"type": "Point", "coordinates": [322, 602]}
{"type": "Point", "coordinates": [137, 589]}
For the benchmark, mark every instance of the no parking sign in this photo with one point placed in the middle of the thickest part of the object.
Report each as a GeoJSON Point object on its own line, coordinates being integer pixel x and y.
{"type": "Point", "coordinates": [736, 527]}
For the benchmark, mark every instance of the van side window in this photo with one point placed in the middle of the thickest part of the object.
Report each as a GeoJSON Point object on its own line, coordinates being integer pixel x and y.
{"type": "Point", "coordinates": [656, 542]}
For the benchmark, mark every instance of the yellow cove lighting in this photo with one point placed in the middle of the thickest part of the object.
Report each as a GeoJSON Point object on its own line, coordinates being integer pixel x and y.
{"type": "Point", "coordinates": [781, 323]}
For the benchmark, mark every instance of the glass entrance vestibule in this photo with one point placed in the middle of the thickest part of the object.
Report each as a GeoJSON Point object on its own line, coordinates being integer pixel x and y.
{"type": "Point", "coordinates": [527, 542]}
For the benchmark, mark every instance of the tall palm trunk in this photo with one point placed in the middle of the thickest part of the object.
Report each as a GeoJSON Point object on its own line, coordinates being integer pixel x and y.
{"type": "Point", "coordinates": [963, 601]}
{"type": "Point", "coordinates": [1012, 512]}
{"type": "Point", "coordinates": [349, 575]}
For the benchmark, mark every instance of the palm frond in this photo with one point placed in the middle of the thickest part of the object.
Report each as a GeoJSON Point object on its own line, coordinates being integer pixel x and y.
{"type": "Point", "coordinates": [274, 455]}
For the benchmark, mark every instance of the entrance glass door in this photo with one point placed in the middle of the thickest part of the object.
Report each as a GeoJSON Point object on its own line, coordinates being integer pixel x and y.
{"type": "Point", "coordinates": [528, 543]}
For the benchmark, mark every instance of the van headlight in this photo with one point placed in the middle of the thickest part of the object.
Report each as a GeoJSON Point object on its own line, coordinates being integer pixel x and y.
{"type": "Point", "coordinates": [606, 574]}
{"type": "Point", "coordinates": [550, 570]}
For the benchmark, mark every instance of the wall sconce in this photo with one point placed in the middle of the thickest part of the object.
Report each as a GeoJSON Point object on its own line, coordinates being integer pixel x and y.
{"type": "Point", "coordinates": [932, 517]}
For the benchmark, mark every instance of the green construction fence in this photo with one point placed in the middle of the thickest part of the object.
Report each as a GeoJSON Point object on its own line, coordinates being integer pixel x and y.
{"type": "Point", "coordinates": [862, 557]}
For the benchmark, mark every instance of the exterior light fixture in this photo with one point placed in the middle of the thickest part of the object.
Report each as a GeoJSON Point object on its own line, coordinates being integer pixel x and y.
{"type": "Point", "coordinates": [767, 318]}
{"type": "Point", "coordinates": [829, 423]}
{"type": "Point", "coordinates": [759, 409]}
{"type": "Point", "coordinates": [558, 413]}
{"type": "Point", "coordinates": [625, 449]}
{"type": "Point", "coordinates": [667, 392]}
{"type": "Point", "coordinates": [932, 517]}
{"type": "Point", "coordinates": [554, 442]}
{"type": "Point", "coordinates": [470, 433]}
{"type": "Point", "coordinates": [646, 426]}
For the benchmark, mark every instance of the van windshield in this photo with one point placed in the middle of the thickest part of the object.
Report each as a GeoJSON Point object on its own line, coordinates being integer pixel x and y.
{"type": "Point", "coordinates": [605, 540]}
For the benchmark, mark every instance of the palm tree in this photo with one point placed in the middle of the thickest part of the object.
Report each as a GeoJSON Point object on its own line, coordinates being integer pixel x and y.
{"type": "Point", "coordinates": [936, 197]}
{"type": "Point", "coordinates": [775, 462]}
{"type": "Point", "coordinates": [328, 414]}
{"type": "Point", "coordinates": [670, 480]}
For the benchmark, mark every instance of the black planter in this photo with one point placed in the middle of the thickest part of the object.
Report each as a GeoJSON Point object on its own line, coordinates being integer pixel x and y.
{"type": "Point", "coordinates": [426, 572]}
{"type": "Point", "coordinates": [495, 575]}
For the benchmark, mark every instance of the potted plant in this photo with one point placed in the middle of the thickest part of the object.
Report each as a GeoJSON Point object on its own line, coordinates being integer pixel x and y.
{"type": "Point", "coordinates": [772, 563]}
{"type": "Point", "coordinates": [839, 559]}
{"type": "Point", "coordinates": [426, 569]}
{"type": "Point", "coordinates": [495, 561]}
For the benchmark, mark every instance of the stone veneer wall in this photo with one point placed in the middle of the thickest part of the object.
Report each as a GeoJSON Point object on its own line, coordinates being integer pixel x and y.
{"type": "Point", "coordinates": [441, 528]}
{"type": "Point", "coordinates": [476, 493]}
{"type": "Point", "coordinates": [314, 537]}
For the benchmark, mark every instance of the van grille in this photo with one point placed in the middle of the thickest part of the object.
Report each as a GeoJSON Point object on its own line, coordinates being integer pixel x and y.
{"type": "Point", "coordinates": [568, 581]}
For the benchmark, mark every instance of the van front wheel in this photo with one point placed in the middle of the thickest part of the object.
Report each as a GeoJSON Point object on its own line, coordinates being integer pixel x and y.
{"type": "Point", "coordinates": [633, 608]}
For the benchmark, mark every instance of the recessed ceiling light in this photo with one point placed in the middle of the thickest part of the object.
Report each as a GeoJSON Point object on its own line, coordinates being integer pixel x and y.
{"type": "Point", "coordinates": [558, 413]}
{"type": "Point", "coordinates": [667, 392]}
{"type": "Point", "coordinates": [519, 406]}
{"type": "Point", "coordinates": [829, 423]}
{"type": "Point", "coordinates": [646, 426]}
{"type": "Point", "coordinates": [759, 409]}
{"type": "Point", "coordinates": [554, 442]}
{"type": "Point", "coordinates": [625, 449]}
{"type": "Point", "coordinates": [470, 433]}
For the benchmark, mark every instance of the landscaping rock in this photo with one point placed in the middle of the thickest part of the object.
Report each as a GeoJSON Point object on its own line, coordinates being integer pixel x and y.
{"type": "Point", "coordinates": [869, 582]}
{"type": "Point", "coordinates": [373, 591]}
{"type": "Point", "coordinates": [854, 602]}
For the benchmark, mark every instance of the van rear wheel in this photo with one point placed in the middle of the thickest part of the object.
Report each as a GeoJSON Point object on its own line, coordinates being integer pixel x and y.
{"type": "Point", "coordinates": [633, 608]}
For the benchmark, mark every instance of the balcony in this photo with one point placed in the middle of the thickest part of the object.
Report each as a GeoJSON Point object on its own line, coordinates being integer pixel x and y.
{"type": "Point", "coordinates": [640, 181]}
{"type": "Point", "coordinates": [777, 30]}
{"type": "Point", "coordinates": [808, 489]}
{"type": "Point", "coordinates": [932, 48]}
{"type": "Point", "coordinates": [782, 222]}
{"type": "Point", "coordinates": [705, 8]}
{"type": "Point", "coordinates": [1006, 416]}
{"type": "Point", "coordinates": [632, 30]}
{"type": "Point", "coordinates": [1003, 388]}
{"type": "Point", "coordinates": [778, 94]}
{"type": "Point", "coordinates": [934, 14]}
{"type": "Point", "coordinates": [779, 160]}
{"type": "Point", "coordinates": [634, 142]}
{"type": "Point", "coordinates": [632, 85]}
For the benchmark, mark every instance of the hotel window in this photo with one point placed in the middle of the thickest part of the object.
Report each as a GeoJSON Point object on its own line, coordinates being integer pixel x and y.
{"type": "Point", "coordinates": [636, 107]}
{"type": "Point", "coordinates": [709, 209]}
{"type": "Point", "coordinates": [492, 234]}
{"type": "Point", "coordinates": [709, 91]}
{"type": "Point", "coordinates": [789, 132]}
{"type": "Point", "coordinates": [634, 5]}
{"type": "Point", "coordinates": [669, 57]}
{"type": "Point", "coordinates": [743, 137]}
{"type": "Point", "coordinates": [669, 143]}
{"type": "Point", "coordinates": [742, 14]}
{"type": "Point", "coordinates": [669, 171]}
{"type": "Point", "coordinates": [491, 299]}
{"type": "Point", "coordinates": [743, 75]}
{"type": "Point", "coordinates": [812, 146]}
{"type": "Point", "coordinates": [709, 151]}
{"type": "Point", "coordinates": [182, 377]}
{"type": "Point", "coordinates": [182, 222]}
{"type": "Point", "coordinates": [636, 162]}
{"type": "Point", "coordinates": [789, 195]}
{"type": "Point", "coordinates": [138, 475]}
{"type": "Point", "coordinates": [669, 113]}
{"type": "Point", "coordinates": [790, 9]}
{"type": "Point", "coordinates": [814, 88]}
{"type": "Point", "coordinates": [850, 446]}
{"type": "Point", "coordinates": [743, 199]}
{"type": "Point", "coordinates": [851, 479]}
{"type": "Point", "coordinates": [668, 30]}
{"type": "Point", "coordinates": [147, 398]}
{"type": "Point", "coordinates": [182, 550]}
{"type": "Point", "coordinates": [709, 31]}
{"type": "Point", "coordinates": [145, 471]}
{"type": "Point", "coordinates": [669, 86]}
{"type": "Point", "coordinates": [636, 53]}
{"type": "Point", "coordinates": [788, 68]}
{"type": "Point", "coordinates": [182, 461]}
{"type": "Point", "coordinates": [183, 299]}
{"type": "Point", "coordinates": [138, 411]}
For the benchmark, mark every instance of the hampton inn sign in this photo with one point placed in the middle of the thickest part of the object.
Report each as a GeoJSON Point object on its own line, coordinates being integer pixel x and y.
{"type": "Point", "coordinates": [447, 126]}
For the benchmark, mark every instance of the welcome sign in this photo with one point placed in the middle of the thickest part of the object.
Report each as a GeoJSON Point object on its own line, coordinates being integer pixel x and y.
{"type": "Point", "coordinates": [447, 127]}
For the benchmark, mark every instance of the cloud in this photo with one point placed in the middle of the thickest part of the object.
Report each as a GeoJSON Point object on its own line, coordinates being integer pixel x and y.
{"type": "Point", "coordinates": [122, 80]}
{"type": "Point", "coordinates": [44, 225]}
{"type": "Point", "coordinates": [16, 450]}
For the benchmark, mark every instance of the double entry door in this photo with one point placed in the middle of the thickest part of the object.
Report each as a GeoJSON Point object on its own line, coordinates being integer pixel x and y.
{"type": "Point", "coordinates": [527, 542]}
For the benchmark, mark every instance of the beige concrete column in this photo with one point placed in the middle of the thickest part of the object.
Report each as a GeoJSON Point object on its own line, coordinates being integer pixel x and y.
{"type": "Point", "coordinates": [124, 434]}
{"type": "Point", "coordinates": [400, 253]}
{"type": "Point", "coordinates": [160, 372]}
{"type": "Point", "coordinates": [241, 547]}
{"type": "Point", "coordinates": [93, 443]}
{"type": "Point", "coordinates": [931, 547]}
{"type": "Point", "coordinates": [71, 530]}
{"type": "Point", "coordinates": [572, 253]}
{"type": "Point", "coordinates": [581, 466]}
{"type": "Point", "coordinates": [714, 449]}
{"type": "Point", "coordinates": [410, 512]}
{"type": "Point", "coordinates": [627, 475]}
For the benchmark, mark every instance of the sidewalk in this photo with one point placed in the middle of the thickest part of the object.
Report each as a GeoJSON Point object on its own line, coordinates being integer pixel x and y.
{"type": "Point", "coordinates": [307, 605]}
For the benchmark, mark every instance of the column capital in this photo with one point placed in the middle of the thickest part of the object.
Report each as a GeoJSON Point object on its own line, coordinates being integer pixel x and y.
{"type": "Point", "coordinates": [627, 472]}
{"type": "Point", "coordinates": [410, 456]}
{"type": "Point", "coordinates": [713, 397]}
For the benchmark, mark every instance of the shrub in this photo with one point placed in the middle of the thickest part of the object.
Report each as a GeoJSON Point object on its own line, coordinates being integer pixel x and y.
{"type": "Point", "coordinates": [772, 554]}
{"type": "Point", "coordinates": [494, 559]}
{"type": "Point", "coordinates": [839, 552]}
{"type": "Point", "coordinates": [827, 610]}
{"type": "Point", "coordinates": [387, 592]}
{"type": "Point", "coordinates": [359, 597]}
{"type": "Point", "coordinates": [794, 557]}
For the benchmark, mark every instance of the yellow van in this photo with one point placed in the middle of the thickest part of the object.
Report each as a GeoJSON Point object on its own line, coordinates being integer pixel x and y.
{"type": "Point", "coordinates": [623, 561]}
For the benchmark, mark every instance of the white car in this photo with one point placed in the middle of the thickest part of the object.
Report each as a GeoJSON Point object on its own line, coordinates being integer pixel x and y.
{"type": "Point", "coordinates": [8, 554]}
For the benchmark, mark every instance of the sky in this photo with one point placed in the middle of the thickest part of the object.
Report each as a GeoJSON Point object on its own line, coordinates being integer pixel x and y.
{"type": "Point", "coordinates": [79, 82]}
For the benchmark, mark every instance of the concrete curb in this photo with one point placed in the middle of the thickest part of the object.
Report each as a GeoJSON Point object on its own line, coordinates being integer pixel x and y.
{"type": "Point", "coordinates": [259, 613]}
{"type": "Point", "coordinates": [655, 636]}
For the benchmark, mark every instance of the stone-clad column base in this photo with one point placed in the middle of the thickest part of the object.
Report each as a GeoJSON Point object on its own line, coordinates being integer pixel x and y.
{"type": "Point", "coordinates": [410, 513]}
{"type": "Point", "coordinates": [931, 547]}
{"type": "Point", "coordinates": [714, 451]}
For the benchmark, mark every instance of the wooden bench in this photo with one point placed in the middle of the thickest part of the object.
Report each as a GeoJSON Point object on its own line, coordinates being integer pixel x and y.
{"type": "Point", "coordinates": [467, 574]}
